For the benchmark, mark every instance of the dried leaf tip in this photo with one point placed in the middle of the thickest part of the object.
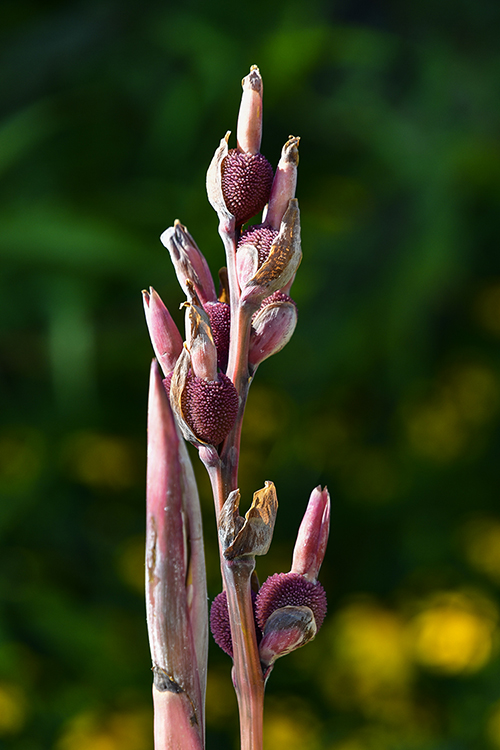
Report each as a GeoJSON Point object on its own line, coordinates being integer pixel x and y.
{"type": "Point", "coordinates": [253, 535]}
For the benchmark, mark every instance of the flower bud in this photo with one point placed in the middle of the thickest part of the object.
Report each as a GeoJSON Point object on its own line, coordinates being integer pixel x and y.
{"type": "Point", "coordinates": [272, 327]}
{"type": "Point", "coordinates": [199, 339]}
{"type": "Point", "coordinates": [205, 402]}
{"type": "Point", "coordinates": [239, 180]}
{"type": "Point", "coordinates": [189, 263]}
{"type": "Point", "coordinates": [249, 128]}
{"type": "Point", "coordinates": [284, 183]}
{"type": "Point", "coordinates": [312, 538]}
{"type": "Point", "coordinates": [287, 629]}
{"type": "Point", "coordinates": [165, 336]}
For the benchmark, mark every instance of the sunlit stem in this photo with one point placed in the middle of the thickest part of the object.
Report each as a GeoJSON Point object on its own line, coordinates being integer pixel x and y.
{"type": "Point", "coordinates": [174, 724]}
{"type": "Point", "coordinates": [223, 473]}
{"type": "Point", "coordinates": [248, 677]}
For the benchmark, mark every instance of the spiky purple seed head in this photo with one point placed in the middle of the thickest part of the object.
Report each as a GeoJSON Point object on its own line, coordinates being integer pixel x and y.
{"type": "Point", "coordinates": [246, 181]}
{"type": "Point", "coordinates": [209, 406]}
{"type": "Point", "coordinates": [262, 237]}
{"type": "Point", "coordinates": [278, 296]}
{"type": "Point", "coordinates": [219, 315]}
{"type": "Point", "coordinates": [220, 625]}
{"type": "Point", "coordinates": [290, 589]}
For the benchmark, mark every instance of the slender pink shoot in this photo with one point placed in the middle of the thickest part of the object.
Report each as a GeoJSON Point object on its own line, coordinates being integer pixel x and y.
{"type": "Point", "coordinates": [164, 334]}
{"type": "Point", "coordinates": [249, 127]}
{"type": "Point", "coordinates": [310, 547]}
{"type": "Point", "coordinates": [172, 646]}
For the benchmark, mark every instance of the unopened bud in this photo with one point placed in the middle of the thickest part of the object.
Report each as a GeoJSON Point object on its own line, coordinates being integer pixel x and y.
{"type": "Point", "coordinates": [165, 336]}
{"type": "Point", "coordinates": [249, 128]}
{"type": "Point", "coordinates": [312, 538]}
{"type": "Point", "coordinates": [239, 180]}
{"type": "Point", "coordinates": [287, 629]}
{"type": "Point", "coordinates": [200, 341]}
{"type": "Point", "coordinates": [284, 183]}
{"type": "Point", "coordinates": [189, 263]}
{"type": "Point", "coordinates": [272, 327]}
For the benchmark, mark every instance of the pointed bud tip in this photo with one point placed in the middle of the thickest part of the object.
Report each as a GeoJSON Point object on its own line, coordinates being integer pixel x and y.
{"type": "Point", "coordinates": [290, 151]}
{"type": "Point", "coordinates": [253, 80]}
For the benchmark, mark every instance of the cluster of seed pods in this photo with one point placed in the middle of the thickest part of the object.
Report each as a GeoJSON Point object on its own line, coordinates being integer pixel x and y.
{"type": "Point", "coordinates": [200, 370]}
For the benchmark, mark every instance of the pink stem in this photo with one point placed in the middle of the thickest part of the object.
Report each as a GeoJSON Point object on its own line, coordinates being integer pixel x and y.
{"type": "Point", "coordinates": [175, 725]}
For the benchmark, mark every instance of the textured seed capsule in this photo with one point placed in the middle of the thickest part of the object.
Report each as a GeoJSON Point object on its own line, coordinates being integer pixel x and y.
{"type": "Point", "coordinates": [290, 589]}
{"type": "Point", "coordinates": [246, 184]}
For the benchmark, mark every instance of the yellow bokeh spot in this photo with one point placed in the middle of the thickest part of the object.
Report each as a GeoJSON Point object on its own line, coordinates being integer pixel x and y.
{"type": "Point", "coordinates": [370, 639]}
{"type": "Point", "coordinates": [454, 633]}
{"type": "Point", "coordinates": [290, 727]}
{"type": "Point", "coordinates": [101, 461]}
{"type": "Point", "coordinates": [441, 427]}
{"type": "Point", "coordinates": [372, 668]}
{"type": "Point", "coordinates": [474, 389]}
{"type": "Point", "coordinates": [12, 708]}
{"type": "Point", "coordinates": [481, 539]}
{"type": "Point", "coordinates": [221, 703]}
{"type": "Point", "coordinates": [119, 731]}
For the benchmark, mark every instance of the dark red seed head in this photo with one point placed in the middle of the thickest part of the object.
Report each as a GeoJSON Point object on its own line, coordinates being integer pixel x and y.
{"type": "Point", "coordinates": [219, 315]}
{"type": "Point", "coordinates": [261, 237]}
{"type": "Point", "coordinates": [220, 626]}
{"type": "Point", "coordinates": [278, 296]}
{"type": "Point", "coordinates": [210, 407]}
{"type": "Point", "coordinates": [246, 184]}
{"type": "Point", "coordinates": [283, 589]}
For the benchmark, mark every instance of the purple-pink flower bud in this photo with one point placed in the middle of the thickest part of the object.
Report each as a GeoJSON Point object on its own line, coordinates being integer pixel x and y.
{"type": "Point", "coordinates": [239, 180]}
{"type": "Point", "coordinates": [312, 538]}
{"type": "Point", "coordinates": [284, 183]}
{"type": "Point", "coordinates": [249, 128]}
{"type": "Point", "coordinates": [287, 629]}
{"type": "Point", "coordinates": [165, 336]}
{"type": "Point", "coordinates": [199, 339]}
{"type": "Point", "coordinates": [272, 327]}
{"type": "Point", "coordinates": [189, 263]}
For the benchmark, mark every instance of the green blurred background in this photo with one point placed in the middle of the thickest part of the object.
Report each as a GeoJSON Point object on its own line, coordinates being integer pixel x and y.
{"type": "Point", "coordinates": [389, 392]}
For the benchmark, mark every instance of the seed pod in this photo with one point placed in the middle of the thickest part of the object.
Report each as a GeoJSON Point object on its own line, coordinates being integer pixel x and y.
{"type": "Point", "coordinates": [290, 589]}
